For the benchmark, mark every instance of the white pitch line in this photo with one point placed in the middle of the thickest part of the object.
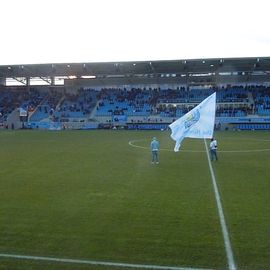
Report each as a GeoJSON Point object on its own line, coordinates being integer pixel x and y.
{"type": "Point", "coordinates": [90, 262]}
{"type": "Point", "coordinates": [226, 238]}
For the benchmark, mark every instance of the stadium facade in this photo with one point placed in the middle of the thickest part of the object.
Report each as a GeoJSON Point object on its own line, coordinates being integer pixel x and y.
{"type": "Point", "coordinates": [134, 95]}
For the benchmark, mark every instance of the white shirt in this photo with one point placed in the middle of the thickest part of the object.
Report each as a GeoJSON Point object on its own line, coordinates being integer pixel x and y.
{"type": "Point", "coordinates": [213, 145]}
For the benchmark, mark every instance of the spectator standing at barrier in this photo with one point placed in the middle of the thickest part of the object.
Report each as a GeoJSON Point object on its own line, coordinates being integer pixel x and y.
{"type": "Point", "coordinates": [213, 149]}
{"type": "Point", "coordinates": [154, 146]}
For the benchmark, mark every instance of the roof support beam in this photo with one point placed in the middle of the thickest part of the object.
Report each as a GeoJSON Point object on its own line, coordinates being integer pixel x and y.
{"type": "Point", "coordinates": [46, 79]}
{"type": "Point", "coordinates": [22, 80]}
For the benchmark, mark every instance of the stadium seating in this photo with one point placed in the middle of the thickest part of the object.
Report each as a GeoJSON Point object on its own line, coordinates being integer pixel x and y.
{"type": "Point", "coordinates": [122, 102]}
{"type": "Point", "coordinates": [253, 126]}
{"type": "Point", "coordinates": [135, 105]}
{"type": "Point", "coordinates": [261, 98]}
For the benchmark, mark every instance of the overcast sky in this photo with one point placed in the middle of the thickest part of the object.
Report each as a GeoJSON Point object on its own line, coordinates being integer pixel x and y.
{"type": "Point", "coordinates": [62, 31]}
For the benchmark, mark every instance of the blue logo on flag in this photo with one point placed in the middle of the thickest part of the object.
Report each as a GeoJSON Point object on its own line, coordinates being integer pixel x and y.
{"type": "Point", "coordinates": [192, 119]}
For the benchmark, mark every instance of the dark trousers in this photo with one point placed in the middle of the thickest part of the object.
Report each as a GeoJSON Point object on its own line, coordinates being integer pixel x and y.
{"type": "Point", "coordinates": [154, 156]}
{"type": "Point", "coordinates": [213, 154]}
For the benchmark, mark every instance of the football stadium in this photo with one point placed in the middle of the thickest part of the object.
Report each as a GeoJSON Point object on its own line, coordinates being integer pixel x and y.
{"type": "Point", "coordinates": [159, 163]}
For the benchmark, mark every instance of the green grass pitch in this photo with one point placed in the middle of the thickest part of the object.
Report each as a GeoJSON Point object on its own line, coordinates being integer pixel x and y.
{"type": "Point", "coordinates": [90, 195]}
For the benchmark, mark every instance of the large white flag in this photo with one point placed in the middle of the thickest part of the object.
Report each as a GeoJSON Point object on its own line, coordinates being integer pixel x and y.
{"type": "Point", "coordinates": [197, 123]}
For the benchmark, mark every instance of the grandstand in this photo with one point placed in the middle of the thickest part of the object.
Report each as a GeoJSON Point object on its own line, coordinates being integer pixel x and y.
{"type": "Point", "coordinates": [134, 95]}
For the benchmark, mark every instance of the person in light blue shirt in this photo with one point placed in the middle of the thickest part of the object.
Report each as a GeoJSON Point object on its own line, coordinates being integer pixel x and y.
{"type": "Point", "coordinates": [154, 147]}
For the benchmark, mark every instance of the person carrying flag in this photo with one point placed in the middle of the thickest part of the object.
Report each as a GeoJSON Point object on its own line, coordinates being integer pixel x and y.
{"type": "Point", "coordinates": [213, 149]}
